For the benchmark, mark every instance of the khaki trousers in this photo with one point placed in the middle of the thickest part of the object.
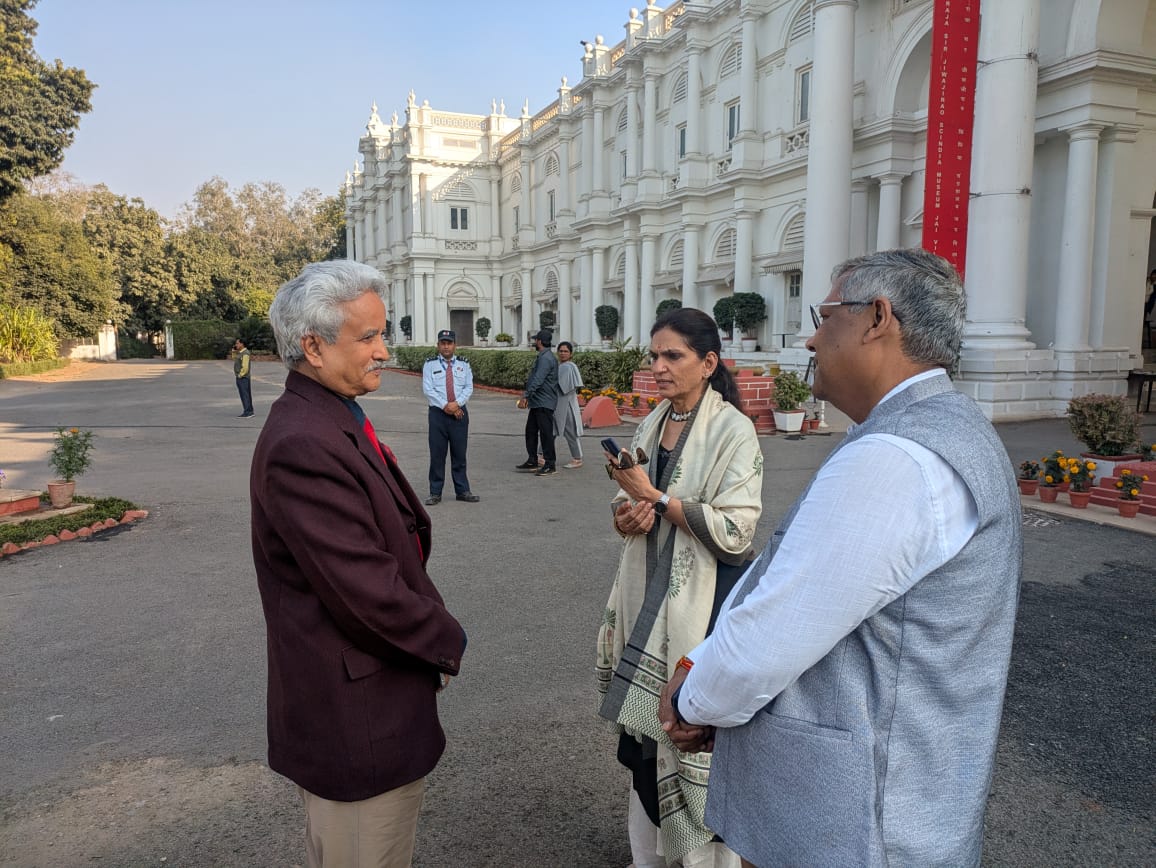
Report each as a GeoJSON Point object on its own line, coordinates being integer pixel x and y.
{"type": "Point", "coordinates": [372, 833]}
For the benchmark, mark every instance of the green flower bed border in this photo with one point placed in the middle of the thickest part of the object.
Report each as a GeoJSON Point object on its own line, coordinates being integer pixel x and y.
{"type": "Point", "coordinates": [25, 369]}
{"type": "Point", "coordinates": [509, 369]}
{"type": "Point", "coordinates": [37, 529]}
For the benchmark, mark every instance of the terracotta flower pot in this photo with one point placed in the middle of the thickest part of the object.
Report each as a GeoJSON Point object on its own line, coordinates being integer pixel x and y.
{"type": "Point", "coordinates": [60, 493]}
{"type": "Point", "coordinates": [1079, 499]}
{"type": "Point", "coordinates": [1064, 486]}
{"type": "Point", "coordinates": [1049, 493]}
{"type": "Point", "coordinates": [1128, 508]}
{"type": "Point", "coordinates": [1028, 486]}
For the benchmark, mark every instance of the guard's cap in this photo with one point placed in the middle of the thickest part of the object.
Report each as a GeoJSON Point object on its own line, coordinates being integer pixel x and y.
{"type": "Point", "coordinates": [447, 335]}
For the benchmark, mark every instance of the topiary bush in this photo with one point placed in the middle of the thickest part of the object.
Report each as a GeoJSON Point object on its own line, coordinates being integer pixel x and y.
{"type": "Point", "coordinates": [1106, 424]}
{"type": "Point", "coordinates": [724, 314]}
{"type": "Point", "coordinates": [749, 309]}
{"type": "Point", "coordinates": [406, 325]}
{"type": "Point", "coordinates": [665, 306]}
{"type": "Point", "coordinates": [606, 318]}
{"type": "Point", "coordinates": [482, 327]}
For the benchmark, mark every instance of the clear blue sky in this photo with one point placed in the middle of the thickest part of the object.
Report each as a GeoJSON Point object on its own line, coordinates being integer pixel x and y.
{"type": "Point", "coordinates": [280, 90]}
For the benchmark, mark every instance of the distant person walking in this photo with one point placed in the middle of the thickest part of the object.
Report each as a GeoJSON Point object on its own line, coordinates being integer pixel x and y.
{"type": "Point", "coordinates": [242, 370]}
{"type": "Point", "coordinates": [568, 415]}
{"type": "Point", "coordinates": [448, 383]}
{"type": "Point", "coordinates": [541, 397]}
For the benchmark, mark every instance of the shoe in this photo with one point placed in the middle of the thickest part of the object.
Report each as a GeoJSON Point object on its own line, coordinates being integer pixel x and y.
{"type": "Point", "coordinates": [468, 497]}
{"type": "Point", "coordinates": [573, 465]}
{"type": "Point", "coordinates": [545, 470]}
{"type": "Point", "coordinates": [527, 465]}
{"type": "Point", "coordinates": [433, 500]}
{"type": "Point", "coordinates": [244, 415]}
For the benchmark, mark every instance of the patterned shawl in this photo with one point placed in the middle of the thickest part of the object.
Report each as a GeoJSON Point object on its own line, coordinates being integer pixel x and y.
{"type": "Point", "coordinates": [661, 599]}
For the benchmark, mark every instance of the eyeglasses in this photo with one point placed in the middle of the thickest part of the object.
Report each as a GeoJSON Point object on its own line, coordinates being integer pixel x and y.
{"type": "Point", "coordinates": [818, 320]}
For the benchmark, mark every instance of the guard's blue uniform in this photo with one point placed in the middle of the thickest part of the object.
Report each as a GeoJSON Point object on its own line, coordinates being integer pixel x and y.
{"type": "Point", "coordinates": [445, 430]}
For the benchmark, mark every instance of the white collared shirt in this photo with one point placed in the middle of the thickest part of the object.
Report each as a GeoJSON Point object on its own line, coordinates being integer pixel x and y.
{"type": "Point", "coordinates": [882, 513]}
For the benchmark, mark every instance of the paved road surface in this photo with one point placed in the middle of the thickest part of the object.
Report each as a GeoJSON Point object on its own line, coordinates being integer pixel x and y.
{"type": "Point", "coordinates": [132, 685]}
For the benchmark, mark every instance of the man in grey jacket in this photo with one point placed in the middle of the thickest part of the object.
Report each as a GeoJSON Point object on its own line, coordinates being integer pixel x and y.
{"type": "Point", "coordinates": [856, 674]}
{"type": "Point", "coordinates": [541, 397]}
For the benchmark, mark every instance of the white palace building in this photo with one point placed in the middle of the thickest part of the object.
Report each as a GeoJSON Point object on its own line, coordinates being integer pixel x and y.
{"type": "Point", "coordinates": [751, 145]}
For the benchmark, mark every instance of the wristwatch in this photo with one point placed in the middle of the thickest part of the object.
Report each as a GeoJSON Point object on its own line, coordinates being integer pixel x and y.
{"type": "Point", "coordinates": [662, 504]}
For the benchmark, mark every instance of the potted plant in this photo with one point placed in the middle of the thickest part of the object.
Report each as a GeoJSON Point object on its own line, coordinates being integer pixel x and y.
{"type": "Point", "coordinates": [666, 305]}
{"type": "Point", "coordinates": [606, 318]}
{"type": "Point", "coordinates": [1130, 485]}
{"type": "Point", "coordinates": [724, 318]}
{"type": "Point", "coordinates": [406, 325]}
{"type": "Point", "coordinates": [482, 330]}
{"type": "Point", "coordinates": [1055, 476]}
{"type": "Point", "coordinates": [749, 311]}
{"type": "Point", "coordinates": [546, 320]}
{"type": "Point", "coordinates": [1080, 474]}
{"type": "Point", "coordinates": [1028, 477]}
{"type": "Point", "coordinates": [69, 458]}
{"type": "Point", "coordinates": [1107, 425]}
{"type": "Point", "coordinates": [791, 391]}
{"type": "Point", "coordinates": [504, 338]}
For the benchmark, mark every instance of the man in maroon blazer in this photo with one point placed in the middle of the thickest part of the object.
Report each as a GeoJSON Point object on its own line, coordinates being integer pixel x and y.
{"type": "Point", "coordinates": [359, 640]}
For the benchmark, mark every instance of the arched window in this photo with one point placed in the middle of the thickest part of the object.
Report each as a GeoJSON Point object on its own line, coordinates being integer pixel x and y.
{"type": "Point", "coordinates": [676, 256]}
{"type": "Point", "coordinates": [793, 236]}
{"type": "Point", "coordinates": [458, 190]}
{"type": "Point", "coordinates": [622, 120]}
{"type": "Point", "coordinates": [516, 183]}
{"type": "Point", "coordinates": [620, 267]}
{"type": "Point", "coordinates": [801, 26]}
{"type": "Point", "coordinates": [551, 283]}
{"type": "Point", "coordinates": [551, 165]}
{"type": "Point", "coordinates": [724, 248]}
{"type": "Point", "coordinates": [731, 61]}
{"type": "Point", "coordinates": [516, 286]}
{"type": "Point", "coordinates": [678, 94]}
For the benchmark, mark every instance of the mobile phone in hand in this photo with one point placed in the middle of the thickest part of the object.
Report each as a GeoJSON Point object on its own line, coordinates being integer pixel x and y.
{"type": "Point", "coordinates": [610, 446]}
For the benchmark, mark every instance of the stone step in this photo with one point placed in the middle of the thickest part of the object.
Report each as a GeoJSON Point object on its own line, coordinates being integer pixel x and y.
{"type": "Point", "coordinates": [17, 500]}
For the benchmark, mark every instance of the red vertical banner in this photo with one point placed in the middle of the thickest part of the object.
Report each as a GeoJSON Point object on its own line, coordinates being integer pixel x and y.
{"type": "Point", "coordinates": [950, 120]}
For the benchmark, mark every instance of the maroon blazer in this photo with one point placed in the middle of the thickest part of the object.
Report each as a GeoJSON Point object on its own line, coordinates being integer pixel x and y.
{"type": "Point", "coordinates": [357, 634]}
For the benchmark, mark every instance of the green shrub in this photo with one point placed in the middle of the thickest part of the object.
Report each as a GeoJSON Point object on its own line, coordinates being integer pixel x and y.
{"type": "Point", "coordinates": [791, 390]}
{"type": "Point", "coordinates": [749, 309]}
{"type": "Point", "coordinates": [482, 327]}
{"type": "Point", "coordinates": [1106, 424]}
{"type": "Point", "coordinates": [38, 529]}
{"type": "Point", "coordinates": [412, 358]}
{"type": "Point", "coordinates": [624, 361]}
{"type": "Point", "coordinates": [257, 334]}
{"type": "Point", "coordinates": [504, 338]}
{"type": "Point", "coordinates": [666, 305]}
{"type": "Point", "coordinates": [504, 369]}
{"type": "Point", "coordinates": [546, 320]}
{"type": "Point", "coordinates": [26, 369]}
{"type": "Point", "coordinates": [724, 314]}
{"type": "Point", "coordinates": [596, 368]}
{"type": "Point", "coordinates": [202, 339]}
{"type": "Point", "coordinates": [606, 318]}
{"type": "Point", "coordinates": [406, 325]}
{"type": "Point", "coordinates": [26, 335]}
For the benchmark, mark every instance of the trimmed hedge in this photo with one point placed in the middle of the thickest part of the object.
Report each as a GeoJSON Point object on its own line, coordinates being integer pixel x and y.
{"type": "Point", "coordinates": [202, 339]}
{"type": "Point", "coordinates": [38, 529]}
{"type": "Point", "coordinates": [509, 369]}
{"type": "Point", "coordinates": [24, 369]}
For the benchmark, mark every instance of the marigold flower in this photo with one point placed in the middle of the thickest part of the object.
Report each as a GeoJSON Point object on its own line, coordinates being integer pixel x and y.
{"type": "Point", "coordinates": [73, 430]}
{"type": "Point", "coordinates": [1120, 484]}
{"type": "Point", "coordinates": [1091, 465]}
{"type": "Point", "coordinates": [1135, 491]}
{"type": "Point", "coordinates": [1048, 479]}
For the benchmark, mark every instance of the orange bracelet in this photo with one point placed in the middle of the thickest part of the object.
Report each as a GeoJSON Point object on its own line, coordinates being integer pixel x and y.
{"type": "Point", "coordinates": [684, 662]}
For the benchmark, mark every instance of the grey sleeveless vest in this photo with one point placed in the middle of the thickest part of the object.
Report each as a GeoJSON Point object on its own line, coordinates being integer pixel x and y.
{"type": "Point", "coordinates": [882, 752]}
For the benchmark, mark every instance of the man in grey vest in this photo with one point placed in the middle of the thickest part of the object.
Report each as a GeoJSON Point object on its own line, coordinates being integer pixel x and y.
{"type": "Point", "coordinates": [856, 674]}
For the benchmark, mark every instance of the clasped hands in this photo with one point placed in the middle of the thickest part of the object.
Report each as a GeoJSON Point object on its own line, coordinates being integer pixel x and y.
{"type": "Point", "coordinates": [687, 737]}
{"type": "Point", "coordinates": [453, 409]}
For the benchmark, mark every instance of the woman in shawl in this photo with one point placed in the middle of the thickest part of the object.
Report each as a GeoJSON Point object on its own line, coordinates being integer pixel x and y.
{"type": "Point", "coordinates": [567, 415]}
{"type": "Point", "coordinates": [688, 517]}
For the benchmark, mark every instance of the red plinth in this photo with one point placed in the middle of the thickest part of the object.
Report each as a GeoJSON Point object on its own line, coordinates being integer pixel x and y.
{"type": "Point", "coordinates": [600, 412]}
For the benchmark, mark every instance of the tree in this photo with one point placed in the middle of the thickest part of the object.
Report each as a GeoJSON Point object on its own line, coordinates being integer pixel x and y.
{"type": "Point", "coordinates": [40, 103]}
{"type": "Point", "coordinates": [52, 268]}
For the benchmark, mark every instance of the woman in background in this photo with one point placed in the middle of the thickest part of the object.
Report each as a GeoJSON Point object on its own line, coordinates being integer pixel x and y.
{"type": "Point", "coordinates": [568, 415]}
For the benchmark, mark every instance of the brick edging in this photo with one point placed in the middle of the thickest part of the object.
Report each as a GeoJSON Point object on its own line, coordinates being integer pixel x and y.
{"type": "Point", "coordinates": [85, 532]}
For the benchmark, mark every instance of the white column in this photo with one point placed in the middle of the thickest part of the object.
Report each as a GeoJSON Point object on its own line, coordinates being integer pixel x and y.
{"type": "Point", "coordinates": [395, 206]}
{"type": "Point", "coordinates": [398, 292]}
{"type": "Point", "coordinates": [420, 308]}
{"type": "Point", "coordinates": [631, 313]}
{"type": "Point", "coordinates": [584, 327]}
{"type": "Point", "coordinates": [633, 144]}
{"type": "Point", "coordinates": [420, 215]}
{"type": "Point", "coordinates": [1110, 306]}
{"type": "Point", "coordinates": [690, 266]}
{"type": "Point", "coordinates": [858, 238]}
{"type": "Point", "coordinates": [826, 234]}
{"type": "Point", "coordinates": [1003, 150]}
{"type": "Point", "coordinates": [744, 250]}
{"type": "Point", "coordinates": [693, 98]}
{"type": "Point", "coordinates": [649, 112]}
{"type": "Point", "coordinates": [529, 321]}
{"type": "Point", "coordinates": [599, 180]}
{"type": "Point", "coordinates": [564, 170]}
{"type": "Point", "coordinates": [526, 218]}
{"type": "Point", "coordinates": [646, 282]}
{"type": "Point", "coordinates": [597, 276]}
{"type": "Point", "coordinates": [360, 242]}
{"type": "Point", "coordinates": [350, 245]}
{"type": "Point", "coordinates": [749, 113]}
{"type": "Point", "coordinates": [1074, 296]}
{"type": "Point", "coordinates": [565, 322]}
{"type": "Point", "coordinates": [890, 217]}
{"type": "Point", "coordinates": [495, 209]}
{"type": "Point", "coordinates": [383, 221]}
{"type": "Point", "coordinates": [586, 180]}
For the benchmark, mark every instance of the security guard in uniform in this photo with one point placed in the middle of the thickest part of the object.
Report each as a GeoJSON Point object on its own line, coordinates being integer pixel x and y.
{"type": "Point", "coordinates": [448, 383]}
